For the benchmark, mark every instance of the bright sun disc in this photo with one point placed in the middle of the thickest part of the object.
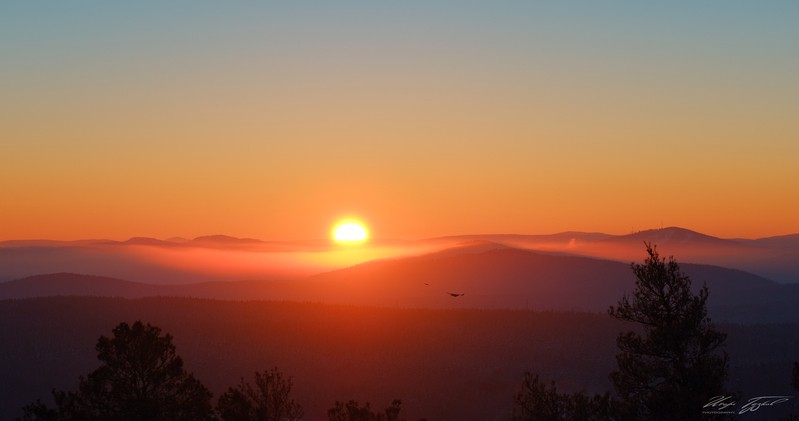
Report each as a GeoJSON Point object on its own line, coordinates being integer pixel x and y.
{"type": "Point", "coordinates": [350, 232]}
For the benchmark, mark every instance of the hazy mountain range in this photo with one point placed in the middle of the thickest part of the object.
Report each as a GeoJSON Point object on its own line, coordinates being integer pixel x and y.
{"type": "Point", "coordinates": [775, 258]}
{"type": "Point", "coordinates": [248, 305]}
{"type": "Point", "coordinates": [489, 275]}
{"type": "Point", "coordinates": [224, 258]}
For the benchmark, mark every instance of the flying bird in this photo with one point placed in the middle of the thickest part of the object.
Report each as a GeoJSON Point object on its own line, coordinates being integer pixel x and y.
{"type": "Point", "coordinates": [454, 294]}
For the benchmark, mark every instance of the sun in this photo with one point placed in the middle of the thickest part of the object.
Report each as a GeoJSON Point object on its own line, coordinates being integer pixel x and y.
{"type": "Point", "coordinates": [350, 232]}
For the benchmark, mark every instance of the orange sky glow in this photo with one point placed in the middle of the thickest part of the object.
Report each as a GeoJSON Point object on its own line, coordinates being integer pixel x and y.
{"type": "Point", "coordinates": [420, 121]}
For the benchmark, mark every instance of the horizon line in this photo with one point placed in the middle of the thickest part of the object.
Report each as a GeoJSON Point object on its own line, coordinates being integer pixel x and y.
{"type": "Point", "coordinates": [182, 240]}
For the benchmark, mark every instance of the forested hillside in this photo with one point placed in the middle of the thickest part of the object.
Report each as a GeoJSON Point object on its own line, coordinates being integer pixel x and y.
{"type": "Point", "coordinates": [443, 364]}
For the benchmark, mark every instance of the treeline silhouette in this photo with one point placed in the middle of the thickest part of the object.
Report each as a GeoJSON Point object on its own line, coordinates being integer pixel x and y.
{"type": "Point", "coordinates": [478, 349]}
{"type": "Point", "coordinates": [444, 364]}
{"type": "Point", "coordinates": [142, 378]}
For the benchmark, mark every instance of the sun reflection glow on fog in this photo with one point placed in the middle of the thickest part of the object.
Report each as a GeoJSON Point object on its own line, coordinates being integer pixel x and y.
{"type": "Point", "coordinates": [260, 262]}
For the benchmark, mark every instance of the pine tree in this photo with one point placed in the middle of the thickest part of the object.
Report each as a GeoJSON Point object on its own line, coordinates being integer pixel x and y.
{"type": "Point", "coordinates": [671, 366]}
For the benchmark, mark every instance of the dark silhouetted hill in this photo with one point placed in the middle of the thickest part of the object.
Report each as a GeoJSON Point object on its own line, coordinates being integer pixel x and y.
{"type": "Point", "coordinates": [225, 258]}
{"type": "Point", "coordinates": [71, 284]}
{"type": "Point", "coordinates": [224, 241]}
{"type": "Point", "coordinates": [561, 239]}
{"type": "Point", "coordinates": [781, 241]}
{"type": "Point", "coordinates": [775, 258]}
{"type": "Point", "coordinates": [444, 364]}
{"type": "Point", "coordinates": [490, 276]}
{"type": "Point", "coordinates": [147, 241]}
{"type": "Point", "coordinates": [666, 237]}
{"type": "Point", "coordinates": [521, 279]}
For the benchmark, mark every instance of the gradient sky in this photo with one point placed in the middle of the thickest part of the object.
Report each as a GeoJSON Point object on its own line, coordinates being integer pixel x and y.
{"type": "Point", "coordinates": [273, 120]}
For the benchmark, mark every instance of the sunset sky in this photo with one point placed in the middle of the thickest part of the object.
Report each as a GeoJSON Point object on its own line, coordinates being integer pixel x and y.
{"type": "Point", "coordinates": [274, 120]}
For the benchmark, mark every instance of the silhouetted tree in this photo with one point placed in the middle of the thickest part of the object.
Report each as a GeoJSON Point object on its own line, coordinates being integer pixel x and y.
{"type": "Point", "coordinates": [672, 367]}
{"type": "Point", "coordinates": [38, 411]}
{"type": "Point", "coordinates": [141, 378]}
{"type": "Point", "coordinates": [537, 402]}
{"type": "Point", "coordinates": [351, 411]}
{"type": "Point", "coordinates": [268, 400]}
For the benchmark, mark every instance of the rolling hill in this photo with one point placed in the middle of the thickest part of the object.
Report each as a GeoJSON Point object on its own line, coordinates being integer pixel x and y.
{"type": "Point", "coordinates": [225, 258]}
{"type": "Point", "coordinates": [775, 258]}
{"type": "Point", "coordinates": [489, 276]}
{"type": "Point", "coordinates": [444, 364]}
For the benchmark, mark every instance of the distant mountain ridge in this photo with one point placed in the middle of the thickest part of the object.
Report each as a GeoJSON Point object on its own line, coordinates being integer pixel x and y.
{"type": "Point", "coordinates": [180, 260]}
{"type": "Point", "coordinates": [565, 236]}
{"type": "Point", "coordinates": [672, 235]}
{"type": "Point", "coordinates": [489, 275]}
{"type": "Point", "coordinates": [790, 240]}
{"type": "Point", "coordinates": [71, 284]}
{"type": "Point", "coordinates": [667, 233]}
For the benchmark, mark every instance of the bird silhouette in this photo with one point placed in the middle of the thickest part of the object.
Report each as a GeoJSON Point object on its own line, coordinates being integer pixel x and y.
{"type": "Point", "coordinates": [454, 294]}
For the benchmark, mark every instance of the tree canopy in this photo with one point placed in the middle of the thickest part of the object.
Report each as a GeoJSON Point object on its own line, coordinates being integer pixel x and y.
{"type": "Point", "coordinates": [671, 365]}
{"type": "Point", "coordinates": [538, 402]}
{"type": "Point", "coordinates": [268, 400]}
{"type": "Point", "coordinates": [352, 411]}
{"type": "Point", "coordinates": [140, 378]}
